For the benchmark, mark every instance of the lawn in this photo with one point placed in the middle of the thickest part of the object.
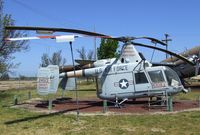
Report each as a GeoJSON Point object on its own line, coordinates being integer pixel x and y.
{"type": "Point", "coordinates": [19, 121]}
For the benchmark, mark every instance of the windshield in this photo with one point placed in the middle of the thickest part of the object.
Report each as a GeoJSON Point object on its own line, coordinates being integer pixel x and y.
{"type": "Point", "coordinates": [157, 79]}
{"type": "Point", "coordinates": [172, 77]}
{"type": "Point", "coordinates": [156, 76]}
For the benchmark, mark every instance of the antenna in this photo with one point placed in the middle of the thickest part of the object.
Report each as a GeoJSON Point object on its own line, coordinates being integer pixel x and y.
{"type": "Point", "coordinates": [166, 41]}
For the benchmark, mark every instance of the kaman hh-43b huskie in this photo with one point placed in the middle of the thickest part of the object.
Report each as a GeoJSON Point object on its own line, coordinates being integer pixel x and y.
{"type": "Point", "coordinates": [130, 76]}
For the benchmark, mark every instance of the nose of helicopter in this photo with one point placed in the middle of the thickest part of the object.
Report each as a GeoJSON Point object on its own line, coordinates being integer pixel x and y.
{"type": "Point", "coordinates": [174, 90]}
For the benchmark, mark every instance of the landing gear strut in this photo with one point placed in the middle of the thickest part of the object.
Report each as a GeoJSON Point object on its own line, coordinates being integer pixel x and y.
{"type": "Point", "coordinates": [118, 104]}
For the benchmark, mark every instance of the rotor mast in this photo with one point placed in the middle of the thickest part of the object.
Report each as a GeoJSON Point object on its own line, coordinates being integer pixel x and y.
{"type": "Point", "coordinates": [129, 53]}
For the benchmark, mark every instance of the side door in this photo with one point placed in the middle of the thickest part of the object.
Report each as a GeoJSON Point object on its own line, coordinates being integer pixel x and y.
{"type": "Point", "coordinates": [119, 83]}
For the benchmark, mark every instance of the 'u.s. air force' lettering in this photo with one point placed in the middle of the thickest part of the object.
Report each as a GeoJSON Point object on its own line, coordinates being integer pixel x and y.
{"type": "Point", "coordinates": [98, 71]}
{"type": "Point", "coordinates": [120, 68]}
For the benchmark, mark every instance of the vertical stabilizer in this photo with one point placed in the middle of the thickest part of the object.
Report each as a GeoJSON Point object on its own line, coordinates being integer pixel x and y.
{"type": "Point", "coordinates": [68, 83]}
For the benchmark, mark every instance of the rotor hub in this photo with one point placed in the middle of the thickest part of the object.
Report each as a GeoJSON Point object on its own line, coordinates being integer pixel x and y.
{"type": "Point", "coordinates": [126, 39]}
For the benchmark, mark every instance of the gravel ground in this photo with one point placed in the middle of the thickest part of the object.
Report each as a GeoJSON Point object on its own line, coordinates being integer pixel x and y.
{"type": "Point", "coordinates": [140, 106]}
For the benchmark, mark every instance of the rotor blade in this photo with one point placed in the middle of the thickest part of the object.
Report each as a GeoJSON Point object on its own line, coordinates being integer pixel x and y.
{"type": "Point", "coordinates": [197, 65]}
{"type": "Point", "coordinates": [123, 39]}
{"type": "Point", "coordinates": [30, 38]}
{"type": "Point", "coordinates": [163, 64]}
{"type": "Point", "coordinates": [197, 69]}
{"type": "Point", "coordinates": [68, 68]}
{"type": "Point", "coordinates": [153, 40]}
{"type": "Point", "coordinates": [126, 39]}
{"type": "Point", "coordinates": [57, 30]}
{"type": "Point", "coordinates": [166, 51]}
{"type": "Point", "coordinates": [84, 62]}
{"type": "Point", "coordinates": [61, 38]}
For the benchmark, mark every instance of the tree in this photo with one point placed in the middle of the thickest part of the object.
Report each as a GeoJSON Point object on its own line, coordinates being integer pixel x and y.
{"type": "Point", "coordinates": [56, 59]}
{"type": "Point", "coordinates": [83, 55]}
{"type": "Point", "coordinates": [7, 49]}
{"type": "Point", "coordinates": [45, 60]}
{"type": "Point", "coordinates": [107, 49]}
{"type": "Point", "coordinates": [90, 55]}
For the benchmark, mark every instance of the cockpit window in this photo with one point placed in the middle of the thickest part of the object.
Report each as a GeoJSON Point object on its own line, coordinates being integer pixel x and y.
{"type": "Point", "coordinates": [172, 77]}
{"type": "Point", "coordinates": [156, 76]}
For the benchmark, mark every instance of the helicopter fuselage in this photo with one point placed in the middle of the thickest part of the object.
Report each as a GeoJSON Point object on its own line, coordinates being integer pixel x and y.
{"type": "Point", "coordinates": [123, 81]}
{"type": "Point", "coordinates": [131, 80]}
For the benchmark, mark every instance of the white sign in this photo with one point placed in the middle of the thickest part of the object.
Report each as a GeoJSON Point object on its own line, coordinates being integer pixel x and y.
{"type": "Point", "coordinates": [43, 79]}
{"type": "Point", "coordinates": [54, 78]}
{"type": "Point", "coordinates": [47, 80]}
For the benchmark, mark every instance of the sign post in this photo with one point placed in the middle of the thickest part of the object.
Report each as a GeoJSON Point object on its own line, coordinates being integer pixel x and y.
{"type": "Point", "coordinates": [170, 104]}
{"type": "Point", "coordinates": [105, 106]}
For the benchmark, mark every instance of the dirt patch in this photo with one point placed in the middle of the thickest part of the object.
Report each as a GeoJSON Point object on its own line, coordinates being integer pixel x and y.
{"type": "Point", "coordinates": [95, 106]}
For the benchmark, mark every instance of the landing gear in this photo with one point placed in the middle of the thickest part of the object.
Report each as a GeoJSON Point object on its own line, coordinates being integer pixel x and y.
{"type": "Point", "coordinates": [119, 104]}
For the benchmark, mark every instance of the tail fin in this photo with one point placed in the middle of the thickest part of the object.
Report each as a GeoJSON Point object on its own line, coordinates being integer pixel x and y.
{"type": "Point", "coordinates": [47, 80]}
{"type": "Point", "coordinates": [68, 83]}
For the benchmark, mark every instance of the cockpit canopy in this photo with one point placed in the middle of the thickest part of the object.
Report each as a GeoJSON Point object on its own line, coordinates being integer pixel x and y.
{"type": "Point", "coordinates": [156, 75]}
{"type": "Point", "coordinates": [172, 77]}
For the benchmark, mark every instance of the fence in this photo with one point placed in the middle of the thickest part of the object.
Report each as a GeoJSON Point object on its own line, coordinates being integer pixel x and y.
{"type": "Point", "coordinates": [17, 84]}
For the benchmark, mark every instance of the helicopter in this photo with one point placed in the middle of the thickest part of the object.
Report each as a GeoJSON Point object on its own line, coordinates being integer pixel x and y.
{"type": "Point", "coordinates": [130, 76]}
{"type": "Point", "coordinates": [184, 70]}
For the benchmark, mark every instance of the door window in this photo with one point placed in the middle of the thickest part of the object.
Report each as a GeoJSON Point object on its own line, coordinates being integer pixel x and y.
{"type": "Point", "coordinates": [140, 78]}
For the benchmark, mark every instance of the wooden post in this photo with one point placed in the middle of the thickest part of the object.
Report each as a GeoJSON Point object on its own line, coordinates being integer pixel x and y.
{"type": "Point", "coordinates": [15, 100]}
{"type": "Point", "coordinates": [199, 101]}
{"type": "Point", "coordinates": [29, 95]}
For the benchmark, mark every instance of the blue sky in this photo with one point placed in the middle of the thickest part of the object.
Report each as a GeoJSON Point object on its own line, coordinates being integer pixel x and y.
{"type": "Point", "coordinates": [180, 19]}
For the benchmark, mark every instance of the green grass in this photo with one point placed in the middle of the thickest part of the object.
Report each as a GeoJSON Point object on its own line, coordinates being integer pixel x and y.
{"type": "Point", "coordinates": [192, 95]}
{"type": "Point", "coordinates": [185, 123]}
